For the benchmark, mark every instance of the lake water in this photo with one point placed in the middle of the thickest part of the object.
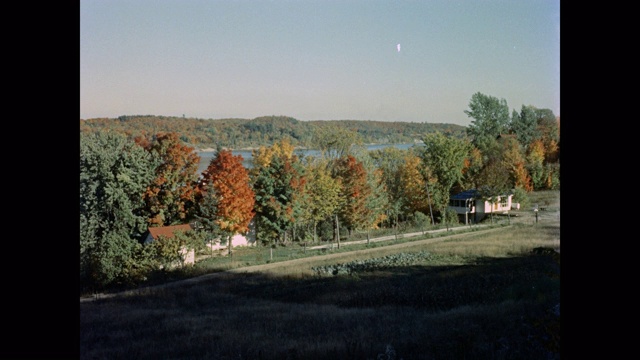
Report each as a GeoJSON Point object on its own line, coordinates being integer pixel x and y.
{"type": "Point", "coordinates": [206, 156]}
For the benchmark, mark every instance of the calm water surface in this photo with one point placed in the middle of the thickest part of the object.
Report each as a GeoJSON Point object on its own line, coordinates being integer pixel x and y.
{"type": "Point", "coordinates": [206, 156]}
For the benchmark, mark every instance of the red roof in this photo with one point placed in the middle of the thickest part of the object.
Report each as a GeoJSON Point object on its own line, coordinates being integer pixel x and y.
{"type": "Point", "coordinates": [168, 231]}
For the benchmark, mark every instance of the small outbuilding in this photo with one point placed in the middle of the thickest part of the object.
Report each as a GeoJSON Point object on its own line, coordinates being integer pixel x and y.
{"type": "Point", "coordinates": [471, 207]}
{"type": "Point", "coordinates": [189, 256]}
{"type": "Point", "coordinates": [237, 240]}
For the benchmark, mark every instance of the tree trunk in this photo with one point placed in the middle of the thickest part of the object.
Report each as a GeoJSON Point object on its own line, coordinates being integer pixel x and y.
{"type": "Point", "coordinates": [315, 234]}
{"type": "Point", "coordinates": [396, 227]}
{"type": "Point", "coordinates": [229, 243]}
{"type": "Point", "coordinates": [338, 231]}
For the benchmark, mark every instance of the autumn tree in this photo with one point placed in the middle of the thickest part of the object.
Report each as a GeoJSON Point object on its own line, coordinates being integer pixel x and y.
{"type": "Point", "coordinates": [335, 143]}
{"type": "Point", "coordinates": [534, 124]}
{"type": "Point", "coordinates": [355, 191]}
{"type": "Point", "coordinates": [514, 160]}
{"type": "Point", "coordinates": [543, 156]}
{"type": "Point", "coordinates": [377, 202]}
{"type": "Point", "coordinates": [412, 185]}
{"type": "Point", "coordinates": [235, 197]}
{"type": "Point", "coordinates": [552, 176]}
{"type": "Point", "coordinates": [279, 183]}
{"type": "Point", "coordinates": [170, 197]}
{"type": "Point", "coordinates": [323, 194]}
{"type": "Point", "coordinates": [535, 164]}
{"type": "Point", "coordinates": [473, 164]}
{"type": "Point", "coordinates": [548, 126]}
{"type": "Point", "coordinates": [552, 152]}
{"type": "Point", "coordinates": [114, 173]}
{"type": "Point", "coordinates": [500, 169]}
{"type": "Point", "coordinates": [263, 155]}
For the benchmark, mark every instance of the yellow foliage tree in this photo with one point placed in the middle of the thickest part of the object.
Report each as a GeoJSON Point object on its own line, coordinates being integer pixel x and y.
{"type": "Point", "coordinates": [263, 155]}
{"type": "Point", "coordinates": [412, 185]}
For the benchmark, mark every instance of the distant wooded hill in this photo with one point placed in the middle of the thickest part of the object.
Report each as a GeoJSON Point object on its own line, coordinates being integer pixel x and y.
{"type": "Point", "coordinates": [264, 131]}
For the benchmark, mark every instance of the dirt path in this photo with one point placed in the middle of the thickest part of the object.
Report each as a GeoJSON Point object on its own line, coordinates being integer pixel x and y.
{"type": "Point", "coordinates": [283, 264]}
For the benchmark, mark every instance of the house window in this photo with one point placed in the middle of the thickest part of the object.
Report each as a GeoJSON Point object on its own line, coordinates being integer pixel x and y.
{"type": "Point", "coordinates": [503, 202]}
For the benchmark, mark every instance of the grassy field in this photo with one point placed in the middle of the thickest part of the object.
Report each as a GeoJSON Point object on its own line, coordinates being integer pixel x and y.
{"type": "Point", "coordinates": [252, 256]}
{"type": "Point", "coordinates": [485, 295]}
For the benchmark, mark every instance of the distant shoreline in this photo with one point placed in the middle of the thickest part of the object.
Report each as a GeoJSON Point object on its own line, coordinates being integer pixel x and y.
{"type": "Point", "coordinates": [213, 149]}
{"type": "Point", "coordinates": [301, 147]}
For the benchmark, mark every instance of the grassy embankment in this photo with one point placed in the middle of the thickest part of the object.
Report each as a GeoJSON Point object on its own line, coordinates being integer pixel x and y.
{"type": "Point", "coordinates": [487, 295]}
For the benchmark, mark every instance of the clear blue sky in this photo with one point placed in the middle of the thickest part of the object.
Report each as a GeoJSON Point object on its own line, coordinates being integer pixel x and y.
{"type": "Point", "coordinates": [316, 60]}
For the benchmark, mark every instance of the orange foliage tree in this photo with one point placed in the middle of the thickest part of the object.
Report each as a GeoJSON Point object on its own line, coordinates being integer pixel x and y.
{"type": "Point", "coordinates": [514, 161]}
{"type": "Point", "coordinates": [169, 198]}
{"type": "Point", "coordinates": [552, 152]}
{"type": "Point", "coordinates": [355, 191]}
{"type": "Point", "coordinates": [230, 182]}
{"type": "Point", "coordinates": [473, 165]}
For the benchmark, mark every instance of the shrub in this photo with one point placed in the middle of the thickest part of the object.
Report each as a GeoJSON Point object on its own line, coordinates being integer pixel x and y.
{"type": "Point", "coordinates": [353, 267]}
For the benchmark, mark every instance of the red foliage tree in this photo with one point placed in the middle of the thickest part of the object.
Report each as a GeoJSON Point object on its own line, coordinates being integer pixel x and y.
{"type": "Point", "coordinates": [230, 181]}
{"type": "Point", "coordinates": [170, 197]}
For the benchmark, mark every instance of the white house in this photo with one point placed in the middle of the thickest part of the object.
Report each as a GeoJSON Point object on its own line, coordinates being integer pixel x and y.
{"type": "Point", "coordinates": [248, 239]}
{"type": "Point", "coordinates": [471, 207]}
{"type": "Point", "coordinates": [188, 256]}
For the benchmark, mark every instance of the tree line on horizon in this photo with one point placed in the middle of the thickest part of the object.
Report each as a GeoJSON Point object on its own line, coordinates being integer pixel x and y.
{"type": "Point", "coordinates": [262, 131]}
{"type": "Point", "coordinates": [128, 184]}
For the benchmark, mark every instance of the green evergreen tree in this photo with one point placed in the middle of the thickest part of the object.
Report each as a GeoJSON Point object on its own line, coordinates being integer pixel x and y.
{"type": "Point", "coordinates": [114, 173]}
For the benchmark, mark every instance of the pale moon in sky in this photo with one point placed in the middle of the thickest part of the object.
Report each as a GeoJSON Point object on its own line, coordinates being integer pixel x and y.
{"type": "Point", "coordinates": [398, 46]}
